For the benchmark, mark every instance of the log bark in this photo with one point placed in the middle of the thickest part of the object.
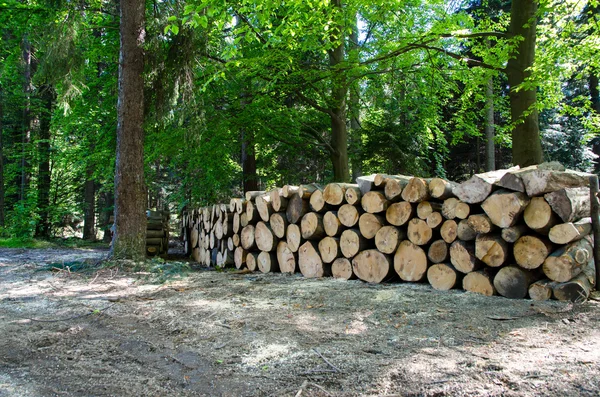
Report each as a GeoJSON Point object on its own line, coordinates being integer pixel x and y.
{"type": "Point", "coordinates": [251, 195]}
{"type": "Point", "coordinates": [416, 191]}
{"type": "Point", "coordinates": [449, 230]}
{"type": "Point", "coordinates": [372, 266]}
{"type": "Point", "coordinates": [342, 268]}
{"type": "Point", "coordinates": [310, 262]}
{"type": "Point", "coordinates": [296, 209]}
{"type": "Point", "coordinates": [444, 277]}
{"type": "Point", "coordinates": [566, 233]}
{"type": "Point", "coordinates": [293, 237]}
{"type": "Point", "coordinates": [513, 282]}
{"type": "Point", "coordinates": [491, 249]}
{"type": "Point", "coordinates": [329, 248]}
{"type": "Point", "coordinates": [312, 226]}
{"type": "Point", "coordinates": [570, 204]}
{"type": "Point", "coordinates": [441, 189]}
{"type": "Point", "coordinates": [576, 290]}
{"type": "Point", "coordinates": [438, 251]}
{"type": "Point", "coordinates": [286, 258]}
{"type": "Point", "coordinates": [388, 239]}
{"type": "Point", "coordinates": [352, 242]}
{"type": "Point", "coordinates": [480, 282]}
{"type": "Point", "coordinates": [332, 225]}
{"type": "Point", "coordinates": [541, 290]}
{"type": "Point", "coordinates": [398, 214]}
{"type": "Point", "coordinates": [513, 233]}
{"type": "Point", "coordinates": [305, 191]}
{"type": "Point", "coordinates": [265, 239]}
{"type": "Point", "coordinates": [349, 215]}
{"type": "Point", "coordinates": [462, 256]}
{"type": "Point", "coordinates": [353, 196]}
{"type": "Point", "coordinates": [410, 262]}
{"type": "Point", "coordinates": [374, 202]}
{"type": "Point", "coordinates": [426, 208]}
{"type": "Point", "coordinates": [531, 251]}
{"type": "Point", "coordinates": [369, 224]}
{"type": "Point", "coordinates": [335, 193]}
{"type": "Point", "coordinates": [479, 186]}
{"type": "Point", "coordinates": [366, 183]}
{"type": "Point", "coordinates": [465, 232]}
{"type": "Point", "coordinates": [279, 224]}
{"type": "Point", "coordinates": [481, 223]}
{"type": "Point", "coordinates": [539, 215]}
{"type": "Point", "coordinates": [267, 262]}
{"type": "Point", "coordinates": [418, 232]}
{"type": "Point", "coordinates": [540, 182]}
{"type": "Point", "coordinates": [247, 238]}
{"type": "Point", "coordinates": [568, 261]}
{"type": "Point", "coordinates": [505, 207]}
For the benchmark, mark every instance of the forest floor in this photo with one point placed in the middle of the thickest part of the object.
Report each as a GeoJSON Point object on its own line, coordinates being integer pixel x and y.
{"type": "Point", "coordinates": [116, 333]}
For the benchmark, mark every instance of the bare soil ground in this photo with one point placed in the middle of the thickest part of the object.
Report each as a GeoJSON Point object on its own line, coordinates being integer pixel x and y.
{"type": "Point", "coordinates": [110, 333]}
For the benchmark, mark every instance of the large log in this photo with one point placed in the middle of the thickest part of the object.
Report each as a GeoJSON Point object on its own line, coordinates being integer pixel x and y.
{"type": "Point", "coordinates": [419, 232]}
{"type": "Point", "coordinates": [264, 207]}
{"type": "Point", "coordinates": [265, 239]}
{"type": "Point", "coordinates": [491, 249]}
{"type": "Point", "coordinates": [329, 248]}
{"type": "Point", "coordinates": [531, 251]}
{"type": "Point", "coordinates": [279, 224]}
{"type": "Point", "coordinates": [416, 190]}
{"type": "Point", "coordinates": [570, 204]}
{"type": "Point", "coordinates": [287, 191]}
{"type": "Point", "coordinates": [349, 215]}
{"type": "Point", "coordinates": [317, 202]}
{"type": "Point", "coordinates": [332, 224]}
{"type": "Point", "coordinates": [410, 262]}
{"type": "Point", "coordinates": [334, 193]}
{"type": "Point", "coordinates": [296, 209]}
{"type": "Point", "coordinates": [293, 237]}
{"type": "Point", "coordinates": [566, 233]}
{"type": "Point", "coordinates": [372, 266]}
{"type": "Point", "coordinates": [369, 224]}
{"type": "Point", "coordinates": [504, 207]}
{"type": "Point", "coordinates": [448, 231]}
{"type": "Point", "coordinates": [353, 195]}
{"type": "Point", "coordinates": [575, 290]}
{"type": "Point", "coordinates": [465, 232]}
{"type": "Point", "coordinates": [441, 189]}
{"type": "Point", "coordinates": [286, 258]}
{"type": "Point", "coordinates": [438, 251]}
{"type": "Point", "coordinates": [267, 262]}
{"type": "Point", "coordinates": [480, 282]}
{"type": "Point", "coordinates": [366, 183]}
{"type": "Point", "coordinates": [479, 186]}
{"type": "Point", "coordinates": [388, 238]}
{"type": "Point", "coordinates": [513, 282]}
{"type": "Point", "coordinates": [513, 233]}
{"type": "Point", "coordinates": [310, 263]}
{"type": "Point", "coordinates": [374, 202]}
{"type": "Point", "coordinates": [398, 214]}
{"type": "Point", "coordinates": [312, 226]}
{"type": "Point", "coordinates": [512, 180]}
{"type": "Point", "coordinates": [247, 238]}
{"type": "Point", "coordinates": [541, 290]}
{"type": "Point", "coordinates": [462, 256]}
{"type": "Point", "coordinates": [568, 261]}
{"type": "Point", "coordinates": [251, 195]}
{"type": "Point", "coordinates": [540, 182]}
{"type": "Point", "coordinates": [481, 223]}
{"type": "Point", "coordinates": [342, 268]}
{"type": "Point", "coordinates": [539, 215]}
{"type": "Point", "coordinates": [352, 242]}
{"type": "Point", "coordinates": [443, 277]}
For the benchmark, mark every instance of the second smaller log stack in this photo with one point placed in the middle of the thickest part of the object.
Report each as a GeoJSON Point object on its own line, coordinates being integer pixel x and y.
{"type": "Point", "coordinates": [157, 233]}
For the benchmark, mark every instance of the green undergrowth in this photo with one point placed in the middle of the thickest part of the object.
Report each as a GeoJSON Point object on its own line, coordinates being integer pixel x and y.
{"type": "Point", "coordinates": [32, 243]}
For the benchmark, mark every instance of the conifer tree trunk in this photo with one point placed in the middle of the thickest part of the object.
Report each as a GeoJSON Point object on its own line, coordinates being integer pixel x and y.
{"type": "Point", "coordinates": [354, 106]}
{"type": "Point", "coordinates": [108, 203]}
{"type": "Point", "coordinates": [130, 192]}
{"type": "Point", "coordinates": [48, 98]}
{"type": "Point", "coordinates": [249, 176]}
{"type": "Point", "coordinates": [1, 158]}
{"type": "Point", "coordinates": [89, 203]}
{"type": "Point", "coordinates": [490, 148]}
{"type": "Point", "coordinates": [26, 132]}
{"type": "Point", "coordinates": [526, 142]}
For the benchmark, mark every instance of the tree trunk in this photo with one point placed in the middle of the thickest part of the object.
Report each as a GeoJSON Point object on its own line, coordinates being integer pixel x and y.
{"type": "Point", "coordinates": [490, 148]}
{"type": "Point", "coordinates": [89, 198]}
{"type": "Point", "coordinates": [130, 190]}
{"type": "Point", "coordinates": [354, 107]}
{"type": "Point", "coordinates": [29, 65]}
{"type": "Point", "coordinates": [526, 143]}
{"type": "Point", "coordinates": [107, 211]}
{"type": "Point", "coordinates": [43, 226]}
{"type": "Point", "coordinates": [2, 192]}
{"type": "Point", "coordinates": [249, 176]}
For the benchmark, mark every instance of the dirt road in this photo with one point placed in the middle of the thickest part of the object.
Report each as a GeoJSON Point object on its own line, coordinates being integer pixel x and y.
{"type": "Point", "coordinates": [111, 333]}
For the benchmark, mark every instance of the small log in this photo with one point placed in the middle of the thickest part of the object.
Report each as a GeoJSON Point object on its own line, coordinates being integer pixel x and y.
{"type": "Point", "coordinates": [444, 277]}
{"type": "Point", "coordinates": [267, 262]}
{"type": "Point", "coordinates": [504, 207]}
{"type": "Point", "coordinates": [575, 290]}
{"type": "Point", "coordinates": [193, 237]}
{"type": "Point", "coordinates": [334, 193]}
{"type": "Point", "coordinates": [480, 282]}
{"type": "Point", "coordinates": [293, 237]}
{"type": "Point", "coordinates": [264, 207]}
{"type": "Point", "coordinates": [310, 263]}
{"type": "Point", "coordinates": [332, 224]}
{"type": "Point", "coordinates": [244, 220]}
{"type": "Point", "coordinates": [287, 191]}
{"type": "Point", "coordinates": [374, 202]}
{"type": "Point", "coordinates": [279, 224]}
{"type": "Point", "coordinates": [372, 266]}
{"type": "Point", "coordinates": [251, 195]}
{"type": "Point", "coordinates": [568, 261]}
{"type": "Point", "coordinates": [278, 202]}
{"type": "Point", "coordinates": [296, 209]}
{"type": "Point", "coordinates": [317, 202]}
{"type": "Point", "coordinates": [353, 195]}
{"type": "Point", "coordinates": [247, 238]}
{"type": "Point", "coordinates": [465, 232]}
{"type": "Point", "coordinates": [418, 232]}
{"type": "Point", "coordinates": [416, 191]}
{"type": "Point", "coordinates": [513, 233]}
{"type": "Point", "coordinates": [448, 231]}
{"type": "Point", "coordinates": [441, 189]}
{"type": "Point", "coordinates": [352, 242]}
{"type": "Point", "coordinates": [449, 207]}
{"type": "Point", "coordinates": [388, 238]}
{"type": "Point", "coordinates": [312, 226]}
{"type": "Point", "coordinates": [531, 251]}
{"type": "Point", "coordinates": [369, 224]}
{"type": "Point", "coordinates": [230, 245]}
{"type": "Point", "coordinates": [481, 223]}
{"type": "Point", "coordinates": [566, 233]}
{"type": "Point", "coordinates": [539, 215]}
{"type": "Point", "coordinates": [393, 190]}
{"type": "Point", "coordinates": [462, 256]}
{"type": "Point", "coordinates": [329, 248]}
{"type": "Point", "coordinates": [306, 191]}
{"type": "Point", "coordinates": [410, 261]}
{"type": "Point", "coordinates": [366, 183]}
{"type": "Point", "coordinates": [540, 182]}
{"type": "Point", "coordinates": [541, 290]}
{"type": "Point", "coordinates": [398, 214]}
{"type": "Point", "coordinates": [425, 208]}
{"type": "Point", "coordinates": [239, 257]}
{"type": "Point", "coordinates": [479, 186]}
{"type": "Point", "coordinates": [462, 210]}
{"type": "Point", "coordinates": [342, 268]}
{"type": "Point", "coordinates": [252, 261]}
{"type": "Point", "coordinates": [491, 249]}
{"type": "Point", "coordinates": [570, 204]}
{"type": "Point", "coordinates": [252, 214]}
{"type": "Point", "coordinates": [265, 239]}
{"type": "Point", "coordinates": [161, 233]}
{"type": "Point", "coordinates": [236, 240]}
{"type": "Point", "coordinates": [434, 220]}
{"type": "Point", "coordinates": [349, 215]}
{"type": "Point", "coordinates": [438, 251]}
{"type": "Point", "coordinates": [513, 282]}
{"type": "Point", "coordinates": [286, 258]}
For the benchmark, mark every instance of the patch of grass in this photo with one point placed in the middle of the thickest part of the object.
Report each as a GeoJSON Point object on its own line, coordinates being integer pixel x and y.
{"type": "Point", "coordinates": [163, 271]}
{"type": "Point", "coordinates": [31, 243]}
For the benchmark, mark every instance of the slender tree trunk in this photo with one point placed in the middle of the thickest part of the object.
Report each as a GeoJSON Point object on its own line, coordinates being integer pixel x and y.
{"type": "Point", "coordinates": [249, 176]}
{"type": "Point", "coordinates": [89, 205]}
{"type": "Point", "coordinates": [1, 157]}
{"type": "Point", "coordinates": [595, 99]}
{"type": "Point", "coordinates": [130, 192]}
{"type": "Point", "coordinates": [44, 175]}
{"type": "Point", "coordinates": [490, 148]}
{"type": "Point", "coordinates": [108, 204]}
{"type": "Point", "coordinates": [339, 129]}
{"type": "Point", "coordinates": [355, 138]}
{"type": "Point", "coordinates": [26, 133]}
{"type": "Point", "coordinates": [526, 142]}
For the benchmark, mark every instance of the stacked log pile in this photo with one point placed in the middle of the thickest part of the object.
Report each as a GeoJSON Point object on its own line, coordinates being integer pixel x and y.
{"type": "Point", "coordinates": [157, 233]}
{"type": "Point", "coordinates": [516, 232]}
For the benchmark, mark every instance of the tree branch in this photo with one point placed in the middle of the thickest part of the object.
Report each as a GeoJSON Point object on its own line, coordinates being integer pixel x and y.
{"type": "Point", "coordinates": [468, 61]}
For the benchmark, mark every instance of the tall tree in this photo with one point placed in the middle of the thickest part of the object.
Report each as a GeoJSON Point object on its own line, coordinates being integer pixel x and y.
{"type": "Point", "coordinates": [47, 95]}
{"type": "Point", "coordinates": [130, 191]}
